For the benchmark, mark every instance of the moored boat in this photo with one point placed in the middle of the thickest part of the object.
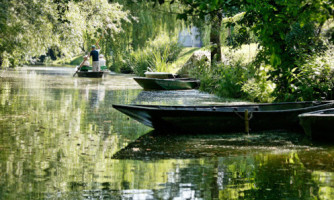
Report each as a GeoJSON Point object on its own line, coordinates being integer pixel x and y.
{"type": "Point", "coordinates": [167, 84]}
{"type": "Point", "coordinates": [319, 124]}
{"type": "Point", "coordinates": [148, 83]}
{"type": "Point", "coordinates": [160, 75]}
{"type": "Point", "coordinates": [178, 83]}
{"type": "Point", "coordinates": [222, 119]}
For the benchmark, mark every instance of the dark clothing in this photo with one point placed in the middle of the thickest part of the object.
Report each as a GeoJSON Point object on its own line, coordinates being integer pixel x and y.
{"type": "Point", "coordinates": [95, 55]}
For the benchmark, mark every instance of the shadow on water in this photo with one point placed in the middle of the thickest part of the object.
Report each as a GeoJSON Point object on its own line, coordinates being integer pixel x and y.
{"type": "Point", "coordinates": [155, 145]}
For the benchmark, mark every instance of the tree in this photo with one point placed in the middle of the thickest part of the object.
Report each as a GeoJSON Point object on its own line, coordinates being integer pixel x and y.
{"type": "Point", "coordinates": [288, 33]}
{"type": "Point", "coordinates": [30, 28]}
{"type": "Point", "coordinates": [212, 12]}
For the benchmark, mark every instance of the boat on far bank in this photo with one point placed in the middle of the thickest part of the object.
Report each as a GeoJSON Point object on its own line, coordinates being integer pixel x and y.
{"type": "Point", "coordinates": [167, 84]}
{"type": "Point", "coordinates": [166, 81]}
{"type": "Point", "coordinates": [178, 83]}
{"type": "Point", "coordinates": [318, 125]}
{"type": "Point", "coordinates": [148, 83]}
{"type": "Point", "coordinates": [222, 119]}
{"type": "Point", "coordinates": [160, 75]}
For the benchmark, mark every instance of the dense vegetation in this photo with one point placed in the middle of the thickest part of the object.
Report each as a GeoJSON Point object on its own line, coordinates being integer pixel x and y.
{"type": "Point", "coordinates": [62, 27]}
{"type": "Point", "coordinates": [295, 40]}
{"type": "Point", "coordinates": [290, 35]}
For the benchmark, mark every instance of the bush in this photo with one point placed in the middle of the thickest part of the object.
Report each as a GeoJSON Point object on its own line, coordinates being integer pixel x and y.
{"type": "Point", "coordinates": [315, 81]}
{"type": "Point", "coordinates": [139, 61]}
{"type": "Point", "coordinates": [224, 80]}
{"type": "Point", "coordinates": [154, 57]}
{"type": "Point", "coordinates": [235, 80]}
{"type": "Point", "coordinates": [259, 88]}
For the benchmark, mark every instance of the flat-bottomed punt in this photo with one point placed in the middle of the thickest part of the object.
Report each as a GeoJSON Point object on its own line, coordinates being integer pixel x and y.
{"type": "Point", "coordinates": [319, 124]}
{"type": "Point", "coordinates": [221, 119]}
{"type": "Point", "coordinates": [148, 83]}
{"type": "Point", "coordinates": [178, 83]}
{"type": "Point", "coordinates": [167, 84]}
{"type": "Point", "coordinates": [90, 74]}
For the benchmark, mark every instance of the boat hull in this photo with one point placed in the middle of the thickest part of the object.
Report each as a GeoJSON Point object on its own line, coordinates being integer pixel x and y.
{"type": "Point", "coordinates": [221, 119]}
{"type": "Point", "coordinates": [167, 84]}
{"type": "Point", "coordinates": [159, 75]}
{"type": "Point", "coordinates": [318, 125]}
{"type": "Point", "coordinates": [178, 84]}
{"type": "Point", "coordinates": [148, 83]}
{"type": "Point", "coordinates": [90, 74]}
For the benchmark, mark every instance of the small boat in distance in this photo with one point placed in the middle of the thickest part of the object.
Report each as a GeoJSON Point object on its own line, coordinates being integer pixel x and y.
{"type": "Point", "coordinates": [90, 74]}
{"type": "Point", "coordinates": [166, 81]}
{"type": "Point", "coordinates": [318, 125]}
{"type": "Point", "coordinates": [222, 119]}
{"type": "Point", "coordinates": [167, 84]}
{"type": "Point", "coordinates": [86, 71]}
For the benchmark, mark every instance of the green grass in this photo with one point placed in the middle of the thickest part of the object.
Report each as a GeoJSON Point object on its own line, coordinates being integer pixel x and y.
{"type": "Point", "coordinates": [247, 53]}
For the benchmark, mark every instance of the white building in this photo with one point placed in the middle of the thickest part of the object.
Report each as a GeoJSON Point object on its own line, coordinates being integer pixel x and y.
{"type": "Point", "coordinates": [190, 37]}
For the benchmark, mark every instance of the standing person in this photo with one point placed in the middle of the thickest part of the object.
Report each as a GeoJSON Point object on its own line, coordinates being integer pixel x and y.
{"type": "Point", "coordinates": [95, 54]}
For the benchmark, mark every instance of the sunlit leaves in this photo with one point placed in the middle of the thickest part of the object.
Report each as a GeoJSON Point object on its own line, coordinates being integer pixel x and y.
{"type": "Point", "coordinates": [30, 28]}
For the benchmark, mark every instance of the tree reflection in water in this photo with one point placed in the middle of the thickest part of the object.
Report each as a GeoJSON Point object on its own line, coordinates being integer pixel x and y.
{"type": "Point", "coordinates": [60, 139]}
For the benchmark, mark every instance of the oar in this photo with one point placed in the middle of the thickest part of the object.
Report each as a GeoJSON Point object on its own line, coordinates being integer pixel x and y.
{"type": "Point", "coordinates": [79, 66]}
{"type": "Point", "coordinates": [77, 71]}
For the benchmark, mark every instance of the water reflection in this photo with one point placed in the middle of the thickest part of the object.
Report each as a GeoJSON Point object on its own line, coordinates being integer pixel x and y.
{"type": "Point", "coordinates": [61, 139]}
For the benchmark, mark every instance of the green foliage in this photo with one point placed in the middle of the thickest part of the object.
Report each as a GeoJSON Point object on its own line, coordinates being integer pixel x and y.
{"type": "Point", "coordinates": [314, 79]}
{"type": "Point", "coordinates": [259, 88]}
{"type": "Point", "coordinates": [289, 34]}
{"type": "Point", "coordinates": [30, 28]}
{"type": "Point", "coordinates": [139, 61]}
{"type": "Point", "coordinates": [160, 61]}
{"type": "Point", "coordinates": [154, 57]}
{"type": "Point", "coordinates": [224, 79]}
{"type": "Point", "coordinates": [147, 24]}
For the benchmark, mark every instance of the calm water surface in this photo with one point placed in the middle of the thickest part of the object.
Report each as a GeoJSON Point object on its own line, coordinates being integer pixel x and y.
{"type": "Point", "coordinates": [61, 139]}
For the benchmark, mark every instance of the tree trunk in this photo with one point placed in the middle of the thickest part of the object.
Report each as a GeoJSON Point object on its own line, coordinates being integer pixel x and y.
{"type": "Point", "coordinates": [216, 54]}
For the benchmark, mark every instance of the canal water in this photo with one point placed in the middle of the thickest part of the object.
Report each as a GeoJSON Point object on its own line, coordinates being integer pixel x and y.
{"type": "Point", "coordinates": [60, 138]}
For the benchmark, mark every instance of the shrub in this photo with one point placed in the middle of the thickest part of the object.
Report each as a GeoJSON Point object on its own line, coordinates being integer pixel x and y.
{"type": "Point", "coordinates": [154, 57]}
{"type": "Point", "coordinates": [224, 80]}
{"type": "Point", "coordinates": [259, 88]}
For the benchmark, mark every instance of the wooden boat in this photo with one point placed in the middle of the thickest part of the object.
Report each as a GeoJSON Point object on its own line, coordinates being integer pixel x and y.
{"type": "Point", "coordinates": [90, 74]}
{"type": "Point", "coordinates": [160, 75]}
{"type": "Point", "coordinates": [167, 84]}
{"type": "Point", "coordinates": [220, 119]}
{"type": "Point", "coordinates": [319, 124]}
{"type": "Point", "coordinates": [178, 83]}
{"type": "Point", "coordinates": [148, 83]}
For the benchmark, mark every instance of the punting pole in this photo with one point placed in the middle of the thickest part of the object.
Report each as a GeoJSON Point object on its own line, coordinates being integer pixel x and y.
{"type": "Point", "coordinates": [246, 122]}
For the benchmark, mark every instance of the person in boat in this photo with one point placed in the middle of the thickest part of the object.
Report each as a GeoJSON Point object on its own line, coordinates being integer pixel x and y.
{"type": "Point", "coordinates": [84, 66]}
{"type": "Point", "coordinates": [95, 55]}
{"type": "Point", "coordinates": [102, 62]}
